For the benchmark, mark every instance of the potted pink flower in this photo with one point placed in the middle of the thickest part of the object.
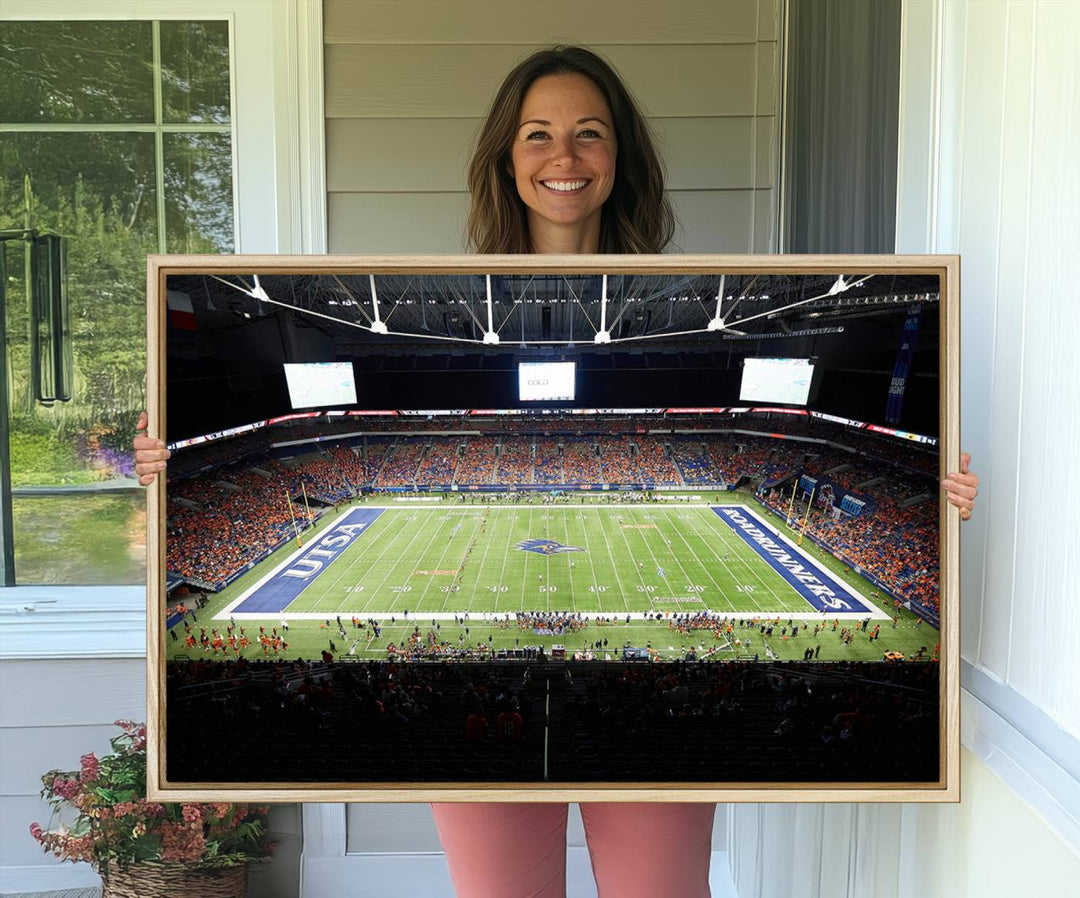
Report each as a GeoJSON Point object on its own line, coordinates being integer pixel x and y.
{"type": "Point", "coordinates": [142, 847]}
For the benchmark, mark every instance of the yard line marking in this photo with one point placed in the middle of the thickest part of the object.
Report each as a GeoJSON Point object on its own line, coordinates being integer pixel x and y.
{"type": "Point", "coordinates": [267, 581]}
{"type": "Point", "coordinates": [632, 559]}
{"type": "Point", "coordinates": [727, 567]}
{"type": "Point", "coordinates": [479, 572]}
{"type": "Point", "coordinates": [439, 566]}
{"type": "Point", "coordinates": [673, 554]}
{"type": "Point", "coordinates": [598, 506]}
{"type": "Point", "coordinates": [440, 615]}
{"type": "Point", "coordinates": [385, 538]}
{"type": "Point", "coordinates": [347, 568]}
{"type": "Point", "coordinates": [884, 612]}
{"type": "Point", "coordinates": [506, 553]}
{"type": "Point", "coordinates": [362, 565]}
{"type": "Point", "coordinates": [615, 566]}
{"type": "Point", "coordinates": [393, 568]}
{"type": "Point", "coordinates": [570, 573]}
{"type": "Point", "coordinates": [592, 567]}
{"type": "Point", "coordinates": [810, 567]}
{"type": "Point", "coordinates": [751, 562]}
{"type": "Point", "coordinates": [704, 567]}
{"type": "Point", "coordinates": [656, 560]}
{"type": "Point", "coordinates": [524, 567]}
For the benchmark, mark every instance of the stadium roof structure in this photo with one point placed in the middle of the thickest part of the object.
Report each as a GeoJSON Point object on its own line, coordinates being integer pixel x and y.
{"type": "Point", "coordinates": [439, 340]}
{"type": "Point", "coordinates": [372, 312]}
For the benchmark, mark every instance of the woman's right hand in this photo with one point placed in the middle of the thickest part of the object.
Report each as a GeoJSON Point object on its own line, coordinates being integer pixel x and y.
{"type": "Point", "coordinates": [150, 454]}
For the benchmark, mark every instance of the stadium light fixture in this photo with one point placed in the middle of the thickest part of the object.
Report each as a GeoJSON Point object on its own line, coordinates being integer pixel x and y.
{"type": "Point", "coordinates": [718, 323]}
{"type": "Point", "coordinates": [840, 286]}
{"type": "Point", "coordinates": [490, 337]}
{"type": "Point", "coordinates": [377, 326]}
{"type": "Point", "coordinates": [603, 335]}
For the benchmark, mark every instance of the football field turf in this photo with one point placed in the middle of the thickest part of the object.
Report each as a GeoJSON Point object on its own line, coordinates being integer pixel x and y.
{"type": "Point", "coordinates": [604, 558]}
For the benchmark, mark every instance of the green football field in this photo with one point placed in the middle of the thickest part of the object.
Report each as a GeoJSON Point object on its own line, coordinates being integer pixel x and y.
{"type": "Point", "coordinates": [634, 558]}
{"type": "Point", "coordinates": [441, 560]}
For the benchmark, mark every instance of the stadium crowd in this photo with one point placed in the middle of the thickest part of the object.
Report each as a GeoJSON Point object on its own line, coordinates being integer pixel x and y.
{"type": "Point", "coordinates": [400, 467]}
{"type": "Point", "coordinates": [739, 455]}
{"type": "Point", "coordinates": [783, 463]}
{"type": "Point", "coordinates": [439, 461]}
{"type": "Point", "coordinates": [311, 721]}
{"type": "Point", "coordinates": [617, 461]}
{"type": "Point", "coordinates": [548, 468]}
{"type": "Point", "coordinates": [655, 464]}
{"type": "Point", "coordinates": [515, 463]}
{"type": "Point", "coordinates": [374, 453]}
{"type": "Point", "coordinates": [897, 545]}
{"type": "Point", "coordinates": [581, 464]}
{"type": "Point", "coordinates": [228, 529]}
{"type": "Point", "coordinates": [694, 462]}
{"type": "Point", "coordinates": [477, 463]}
{"type": "Point", "coordinates": [221, 520]}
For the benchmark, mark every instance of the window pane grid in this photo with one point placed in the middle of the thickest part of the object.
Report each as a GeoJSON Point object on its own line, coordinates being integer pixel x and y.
{"type": "Point", "coordinates": [158, 127]}
{"type": "Point", "coordinates": [88, 154]}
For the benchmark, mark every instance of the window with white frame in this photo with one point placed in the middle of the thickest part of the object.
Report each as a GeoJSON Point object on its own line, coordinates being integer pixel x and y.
{"type": "Point", "coordinates": [118, 137]}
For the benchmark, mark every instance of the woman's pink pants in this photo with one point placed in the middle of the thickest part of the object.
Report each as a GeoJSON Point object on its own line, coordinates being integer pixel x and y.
{"type": "Point", "coordinates": [644, 849]}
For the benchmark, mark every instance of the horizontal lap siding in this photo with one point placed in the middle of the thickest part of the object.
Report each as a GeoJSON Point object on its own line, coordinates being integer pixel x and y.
{"type": "Point", "coordinates": [51, 713]}
{"type": "Point", "coordinates": [526, 22]}
{"type": "Point", "coordinates": [27, 752]}
{"type": "Point", "coordinates": [374, 223]}
{"type": "Point", "coordinates": [460, 80]}
{"type": "Point", "coordinates": [709, 221]}
{"type": "Point", "coordinates": [408, 83]}
{"type": "Point", "coordinates": [396, 155]}
{"type": "Point", "coordinates": [77, 692]}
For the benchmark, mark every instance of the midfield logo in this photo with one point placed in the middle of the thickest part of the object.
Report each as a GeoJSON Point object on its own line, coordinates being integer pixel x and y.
{"type": "Point", "coordinates": [545, 547]}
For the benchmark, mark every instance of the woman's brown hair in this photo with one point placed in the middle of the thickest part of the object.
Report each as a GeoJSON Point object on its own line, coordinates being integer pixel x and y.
{"type": "Point", "coordinates": [637, 216]}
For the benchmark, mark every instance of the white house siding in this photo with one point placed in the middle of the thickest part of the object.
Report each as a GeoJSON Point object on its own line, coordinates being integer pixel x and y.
{"type": "Point", "coordinates": [408, 83]}
{"type": "Point", "coordinates": [54, 710]}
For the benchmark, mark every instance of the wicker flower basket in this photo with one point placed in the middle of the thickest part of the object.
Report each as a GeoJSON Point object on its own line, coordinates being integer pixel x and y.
{"type": "Point", "coordinates": [149, 880]}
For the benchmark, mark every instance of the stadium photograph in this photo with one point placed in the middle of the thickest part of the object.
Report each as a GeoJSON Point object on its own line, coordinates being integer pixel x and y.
{"type": "Point", "coordinates": [430, 527]}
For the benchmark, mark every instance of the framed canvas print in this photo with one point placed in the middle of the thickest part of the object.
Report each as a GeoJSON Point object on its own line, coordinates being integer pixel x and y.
{"type": "Point", "coordinates": [554, 528]}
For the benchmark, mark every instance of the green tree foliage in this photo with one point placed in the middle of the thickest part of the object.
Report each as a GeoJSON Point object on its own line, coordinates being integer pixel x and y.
{"type": "Point", "coordinates": [99, 190]}
{"type": "Point", "coordinates": [107, 245]}
{"type": "Point", "coordinates": [76, 72]}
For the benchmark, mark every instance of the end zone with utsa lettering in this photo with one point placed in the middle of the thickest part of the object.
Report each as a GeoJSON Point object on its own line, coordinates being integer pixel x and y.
{"type": "Point", "coordinates": [277, 589]}
{"type": "Point", "coordinates": [810, 581]}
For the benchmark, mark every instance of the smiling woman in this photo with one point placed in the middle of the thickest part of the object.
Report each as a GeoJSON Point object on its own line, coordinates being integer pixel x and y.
{"type": "Point", "coordinates": [563, 117]}
{"type": "Point", "coordinates": [563, 162]}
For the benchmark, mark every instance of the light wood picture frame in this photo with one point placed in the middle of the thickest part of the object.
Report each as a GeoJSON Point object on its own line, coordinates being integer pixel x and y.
{"type": "Point", "coordinates": [700, 718]}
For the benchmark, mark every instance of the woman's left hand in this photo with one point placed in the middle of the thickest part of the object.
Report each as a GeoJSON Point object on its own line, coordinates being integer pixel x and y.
{"type": "Point", "coordinates": [962, 488]}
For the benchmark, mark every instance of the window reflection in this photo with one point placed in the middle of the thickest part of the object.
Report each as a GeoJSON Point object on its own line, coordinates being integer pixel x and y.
{"type": "Point", "coordinates": [97, 185]}
{"type": "Point", "coordinates": [195, 71]}
{"type": "Point", "coordinates": [83, 539]}
{"type": "Point", "coordinates": [63, 72]}
{"type": "Point", "coordinates": [198, 193]}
